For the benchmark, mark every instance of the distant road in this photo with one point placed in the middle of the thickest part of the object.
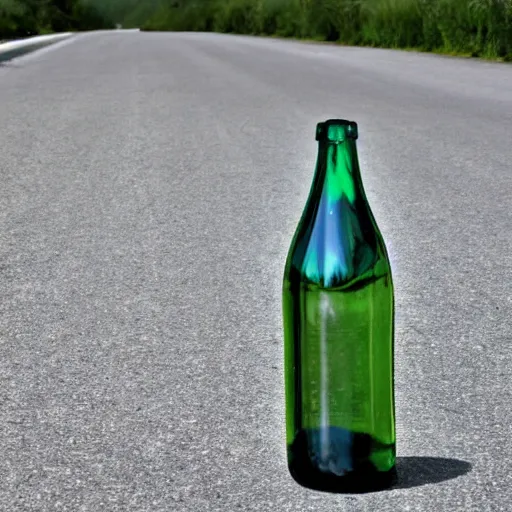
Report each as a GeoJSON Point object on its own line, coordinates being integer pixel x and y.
{"type": "Point", "coordinates": [149, 188]}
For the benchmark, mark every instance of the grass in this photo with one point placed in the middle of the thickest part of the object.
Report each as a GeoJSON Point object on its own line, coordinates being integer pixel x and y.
{"type": "Point", "coordinates": [465, 28]}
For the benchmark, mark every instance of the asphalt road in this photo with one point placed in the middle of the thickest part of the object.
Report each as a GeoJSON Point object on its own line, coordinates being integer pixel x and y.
{"type": "Point", "coordinates": [149, 188]}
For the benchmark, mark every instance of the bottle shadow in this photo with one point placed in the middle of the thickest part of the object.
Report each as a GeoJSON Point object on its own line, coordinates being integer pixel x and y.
{"type": "Point", "coordinates": [409, 472]}
{"type": "Point", "coordinates": [418, 471]}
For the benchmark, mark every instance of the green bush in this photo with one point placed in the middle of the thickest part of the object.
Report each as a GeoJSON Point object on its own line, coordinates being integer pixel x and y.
{"type": "Point", "coordinates": [392, 23]}
{"type": "Point", "coordinates": [474, 27]}
{"type": "Point", "coordinates": [236, 16]}
{"type": "Point", "coordinates": [22, 18]}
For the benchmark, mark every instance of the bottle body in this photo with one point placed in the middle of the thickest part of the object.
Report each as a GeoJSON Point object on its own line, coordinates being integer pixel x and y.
{"type": "Point", "coordinates": [338, 313]}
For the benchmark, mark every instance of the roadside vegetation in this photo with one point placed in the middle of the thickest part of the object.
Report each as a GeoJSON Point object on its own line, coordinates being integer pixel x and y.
{"type": "Point", "coordinates": [469, 27]}
{"type": "Point", "coordinates": [480, 28]}
{"type": "Point", "coordinates": [23, 18]}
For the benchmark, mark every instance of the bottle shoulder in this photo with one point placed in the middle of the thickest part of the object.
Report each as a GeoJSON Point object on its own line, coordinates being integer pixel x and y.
{"type": "Point", "coordinates": [360, 277]}
{"type": "Point", "coordinates": [344, 259]}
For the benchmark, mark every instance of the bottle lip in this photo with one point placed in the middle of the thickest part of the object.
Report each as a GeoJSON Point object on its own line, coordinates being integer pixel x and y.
{"type": "Point", "coordinates": [325, 132]}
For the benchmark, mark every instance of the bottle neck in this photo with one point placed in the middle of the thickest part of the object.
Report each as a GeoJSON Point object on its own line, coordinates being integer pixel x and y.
{"type": "Point", "coordinates": [337, 171]}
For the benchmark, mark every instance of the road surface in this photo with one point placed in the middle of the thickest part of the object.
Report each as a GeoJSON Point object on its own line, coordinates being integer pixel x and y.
{"type": "Point", "coordinates": [150, 186]}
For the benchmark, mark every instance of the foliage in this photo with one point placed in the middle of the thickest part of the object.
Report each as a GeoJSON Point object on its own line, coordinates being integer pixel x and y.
{"type": "Point", "coordinates": [22, 18]}
{"type": "Point", "coordinates": [475, 27]}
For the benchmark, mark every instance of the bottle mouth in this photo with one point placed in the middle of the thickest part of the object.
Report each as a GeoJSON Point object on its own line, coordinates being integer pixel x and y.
{"type": "Point", "coordinates": [336, 130]}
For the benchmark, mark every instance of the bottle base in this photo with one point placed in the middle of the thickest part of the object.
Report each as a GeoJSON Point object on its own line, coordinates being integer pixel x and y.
{"type": "Point", "coordinates": [352, 483]}
{"type": "Point", "coordinates": [336, 460]}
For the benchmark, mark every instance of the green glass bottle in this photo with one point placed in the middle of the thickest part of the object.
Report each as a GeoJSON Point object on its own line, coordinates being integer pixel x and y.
{"type": "Point", "coordinates": [338, 312]}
